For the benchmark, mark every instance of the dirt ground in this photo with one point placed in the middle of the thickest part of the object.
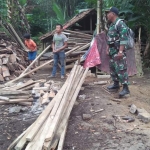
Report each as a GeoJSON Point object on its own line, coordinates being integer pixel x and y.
{"type": "Point", "coordinates": [102, 131]}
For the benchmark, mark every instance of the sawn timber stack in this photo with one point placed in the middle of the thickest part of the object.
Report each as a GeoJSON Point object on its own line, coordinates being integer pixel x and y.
{"type": "Point", "coordinates": [50, 126]}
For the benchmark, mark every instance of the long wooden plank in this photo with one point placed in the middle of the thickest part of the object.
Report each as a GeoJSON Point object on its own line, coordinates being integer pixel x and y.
{"type": "Point", "coordinates": [41, 119]}
{"type": "Point", "coordinates": [16, 101]}
{"type": "Point", "coordinates": [11, 92]}
{"type": "Point", "coordinates": [4, 98]}
{"type": "Point", "coordinates": [25, 103]}
{"type": "Point", "coordinates": [31, 144]}
{"type": "Point", "coordinates": [25, 84]}
{"type": "Point", "coordinates": [62, 139]}
{"type": "Point", "coordinates": [30, 87]}
{"type": "Point", "coordinates": [67, 114]}
{"type": "Point", "coordinates": [39, 67]}
{"type": "Point", "coordinates": [45, 114]}
{"type": "Point", "coordinates": [12, 145]}
{"type": "Point", "coordinates": [61, 108]}
{"type": "Point", "coordinates": [35, 60]}
{"type": "Point", "coordinates": [19, 96]}
{"type": "Point", "coordinates": [39, 144]}
{"type": "Point", "coordinates": [63, 121]}
{"type": "Point", "coordinates": [23, 141]}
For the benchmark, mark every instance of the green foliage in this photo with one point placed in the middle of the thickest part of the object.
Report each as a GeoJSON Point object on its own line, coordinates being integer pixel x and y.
{"type": "Point", "coordinates": [60, 15]}
{"type": "Point", "coordinates": [23, 2]}
{"type": "Point", "coordinates": [3, 9]}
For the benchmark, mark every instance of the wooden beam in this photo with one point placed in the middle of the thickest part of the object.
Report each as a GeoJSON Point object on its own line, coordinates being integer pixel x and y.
{"type": "Point", "coordinates": [53, 126]}
{"type": "Point", "coordinates": [40, 120]}
{"type": "Point", "coordinates": [4, 98]}
{"type": "Point", "coordinates": [12, 145]}
{"type": "Point", "coordinates": [39, 67]}
{"type": "Point", "coordinates": [62, 139]}
{"type": "Point", "coordinates": [25, 103]}
{"type": "Point", "coordinates": [11, 92]}
{"type": "Point", "coordinates": [35, 60]}
{"type": "Point", "coordinates": [25, 84]}
{"type": "Point", "coordinates": [39, 143]}
{"type": "Point", "coordinates": [23, 141]}
{"type": "Point", "coordinates": [69, 108]}
{"type": "Point", "coordinates": [16, 101]}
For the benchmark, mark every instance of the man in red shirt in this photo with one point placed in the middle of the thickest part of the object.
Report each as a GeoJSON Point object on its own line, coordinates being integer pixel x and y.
{"type": "Point", "coordinates": [32, 47]}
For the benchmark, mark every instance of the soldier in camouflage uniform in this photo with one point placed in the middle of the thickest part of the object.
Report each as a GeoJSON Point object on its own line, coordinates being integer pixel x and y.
{"type": "Point", "coordinates": [117, 40]}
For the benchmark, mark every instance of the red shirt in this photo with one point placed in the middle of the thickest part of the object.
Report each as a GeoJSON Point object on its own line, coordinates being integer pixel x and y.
{"type": "Point", "coordinates": [31, 45]}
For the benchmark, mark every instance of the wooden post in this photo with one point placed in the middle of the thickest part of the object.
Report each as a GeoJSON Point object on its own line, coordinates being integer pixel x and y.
{"type": "Point", "coordinates": [98, 16]}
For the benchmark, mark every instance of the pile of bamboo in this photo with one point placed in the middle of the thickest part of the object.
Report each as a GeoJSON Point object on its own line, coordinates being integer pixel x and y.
{"type": "Point", "coordinates": [49, 129]}
{"type": "Point", "coordinates": [12, 60]}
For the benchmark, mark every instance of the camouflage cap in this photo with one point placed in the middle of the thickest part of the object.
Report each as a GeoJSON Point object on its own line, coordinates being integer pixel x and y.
{"type": "Point", "coordinates": [113, 9]}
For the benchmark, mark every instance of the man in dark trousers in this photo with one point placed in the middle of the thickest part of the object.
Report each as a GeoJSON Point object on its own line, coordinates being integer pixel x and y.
{"type": "Point", "coordinates": [59, 44]}
{"type": "Point", "coordinates": [117, 41]}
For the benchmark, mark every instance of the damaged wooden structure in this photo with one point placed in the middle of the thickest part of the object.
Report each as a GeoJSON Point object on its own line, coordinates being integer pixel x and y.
{"type": "Point", "coordinates": [79, 31]}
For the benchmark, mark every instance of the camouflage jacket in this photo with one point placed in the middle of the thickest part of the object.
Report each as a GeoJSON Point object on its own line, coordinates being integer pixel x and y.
{"type": "Point", "coordinates": [117, 34]}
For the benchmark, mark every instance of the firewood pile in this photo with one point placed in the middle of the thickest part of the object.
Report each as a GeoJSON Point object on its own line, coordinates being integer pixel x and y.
{"type": "Point", "coordinates": [24, 93]}
{"type": "Point", "coordinates": [13, 60]}
{"type": "Point", "coordinates": [49, 129]}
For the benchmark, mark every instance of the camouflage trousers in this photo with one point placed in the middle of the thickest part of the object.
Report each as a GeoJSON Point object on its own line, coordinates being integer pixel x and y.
{"type": "Point", "coordinates": [118, 69]}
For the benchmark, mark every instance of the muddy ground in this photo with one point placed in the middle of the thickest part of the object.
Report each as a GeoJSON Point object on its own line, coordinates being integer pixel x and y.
{"type": "Point", "coordinates": [102, 131]}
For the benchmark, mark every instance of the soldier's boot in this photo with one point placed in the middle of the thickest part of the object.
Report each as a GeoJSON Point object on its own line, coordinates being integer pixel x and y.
{"type": "Point", "coordinates": [125, 91]}
{"type": "Point", "coordinates": [114, 87]}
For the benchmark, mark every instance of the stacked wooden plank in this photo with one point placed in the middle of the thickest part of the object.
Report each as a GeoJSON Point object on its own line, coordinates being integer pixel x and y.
{"type": "Point", "coordinates": [51, 125]}
{"type": "Point", "coordinates": [76, 38]}
{"type": "Point", "coordinates": [16, 94]}
{"type": "Point", "coordinates": [29, 90]}
{"type": "Point", "coordinates": [12, 60]}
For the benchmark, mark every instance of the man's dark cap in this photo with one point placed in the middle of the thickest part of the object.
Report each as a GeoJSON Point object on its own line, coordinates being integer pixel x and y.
{"type": "Point", "coordinates": [113, 9]}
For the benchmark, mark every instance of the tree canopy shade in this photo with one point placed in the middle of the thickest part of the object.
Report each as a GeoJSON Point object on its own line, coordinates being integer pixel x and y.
{"type": "Point", "coordinates": [43, 15]}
